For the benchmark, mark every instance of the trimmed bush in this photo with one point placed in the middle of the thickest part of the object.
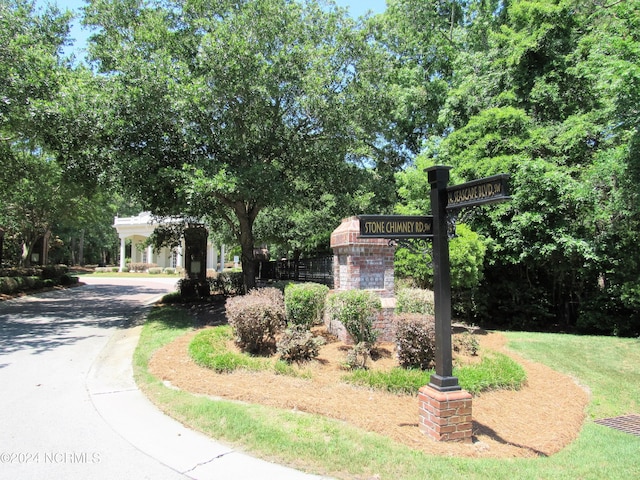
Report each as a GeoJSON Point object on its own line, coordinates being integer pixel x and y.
{"type": "Point", "coordinates": [415, 338]}
{"type": "Point", "coordinates": [67, 280]}
{"type": "Point", "coordinates": [256, 319]}
{"type": "Point", "coordinates": [357, 356]}
{"type": "Point", "coordinates": [8, 284]}
{"type": "Point", "coordinates": [141, 266]}
{"type": "Point", "coordinates": [355, 309]}
{"type": "Point", "coordinates": [190, 288]}
{"type": "Point", "coordinates": [54, 271]}
{"type": "Point", "coordinates": [20, 272]}
{"type": "Point", "coordinates": [414, 300]}
{"type": "Point", "coordinates": [227, 283]}
{"type": "Point", "coordinates": [298, 344]}
{"type": "Point", "coordinates": [154, 271]}
{"type": "Point", "coordinates": [304, 303]}
{"type": "Point", "coordinates": [169, 271]}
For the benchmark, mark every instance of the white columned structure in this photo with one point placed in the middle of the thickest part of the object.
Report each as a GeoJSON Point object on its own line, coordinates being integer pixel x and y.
{"type": "Point", "coordinates": [123, 253]}
{"type": "Point", "coordinates": [222, 255]}
{"type": "Point", "coordinates": [180, 257]}
{"type": "Point", "coordinates": [214, 258]}
{"type": "Point", "coordinates": [139, 228]}
{"type": "Point", "coordinates": [134, 249]}
{"type": "Point", "coordinates": [211, 256]}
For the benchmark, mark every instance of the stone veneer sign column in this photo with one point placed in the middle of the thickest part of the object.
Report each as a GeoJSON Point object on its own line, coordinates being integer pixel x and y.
{"type": "Point", "coordinates": [361, 263]}
{"type": "Point", "coordinates": [364, 264]}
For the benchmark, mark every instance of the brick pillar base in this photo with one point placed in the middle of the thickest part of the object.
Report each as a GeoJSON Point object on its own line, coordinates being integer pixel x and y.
{"type": "Point", "coordinates": [445, 416]}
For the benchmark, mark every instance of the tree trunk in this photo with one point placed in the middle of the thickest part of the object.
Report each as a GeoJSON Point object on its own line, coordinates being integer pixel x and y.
{"type": "Point", "coordinates": [73, 251]}
{"type": "Point", "coordinates": [81, 248]}
{"type": "Point", "coordinates": [27, 248]}
{"type": "Point", "coordinates": [45, 247]}
{"type": "Point", "coordinates": [246, 216]}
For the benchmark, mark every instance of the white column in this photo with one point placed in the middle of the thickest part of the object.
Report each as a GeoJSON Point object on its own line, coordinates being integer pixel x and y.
{"type": "Point", "coordinates": [180, 259]}
{"type": "Point", "coordinates": [133, 252]}
{"type": "Point", "coordinates": [123, 253]}
{"type": "Point", "coordinates": [210, 263]}
{"type": "Point", "coordinates": [214, 257]}
{"type": "Point", "coordinates": [222, 255]}
{"type": "Point", "coordinates": [149, 254]}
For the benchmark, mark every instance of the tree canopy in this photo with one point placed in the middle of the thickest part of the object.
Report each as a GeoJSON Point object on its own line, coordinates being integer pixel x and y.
{"type": "Point", "coordinates": [278, 117]}
{"type": "Point", "coordinates": [223, 109]}
{"type": "Point", "coordinates": [547, 94]}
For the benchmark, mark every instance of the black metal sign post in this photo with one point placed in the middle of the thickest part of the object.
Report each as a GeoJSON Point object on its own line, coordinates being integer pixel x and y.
{"type": "Point", "coordinates": [443, 380]}
{"type": "Point", "coordinates": [436, 228]}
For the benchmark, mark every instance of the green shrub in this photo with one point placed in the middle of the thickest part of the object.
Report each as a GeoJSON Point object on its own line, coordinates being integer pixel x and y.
{"type": "Point", "coordinates": [304, 303]}
{"type": "Point", "coordinates": [356, 309]}
{"type": "Point", "coordinates": [227, 283]}
{"type": "Point", "coordinates": [169, 271]}
{"type": "Point", "coordinates": [154, 271]}
{"type": "Point", "coordinates": [414, 300]}
{"type": "Point", "coordinates": [141, 266]}
{"type": "Point", "coordinates": [8, 284]}
{"type": "Point", "coordinates": [54, 271]}
{"type": "Point", "coordinates": [358, 355]}
{"type": "Point", "coordinates": [298, 344]}
{"type": "Point", "coordinates": [190, 288]}
{"type": "Point", "coordinates": [415, 338]}
{"type": "Point", "coordinates": [67, 280]}
{"type": "Point", "coordinates": [173, 297]}
{"type": "Point", "coordinates": [33, 283]}
{"type": "Point", "coordinates": [256, 318]}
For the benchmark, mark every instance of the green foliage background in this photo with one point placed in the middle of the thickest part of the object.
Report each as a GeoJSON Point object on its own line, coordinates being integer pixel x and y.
{"type": "Point", "coordinates": [274, 119]}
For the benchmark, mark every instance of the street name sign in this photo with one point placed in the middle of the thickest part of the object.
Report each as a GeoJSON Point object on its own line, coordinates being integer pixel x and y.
{"type": "Point", "coordinates": [478, 192]}
{"type": "Point", "coordinates": [436, 229]}
{"type": "Point", "coordinates": [396, 226]}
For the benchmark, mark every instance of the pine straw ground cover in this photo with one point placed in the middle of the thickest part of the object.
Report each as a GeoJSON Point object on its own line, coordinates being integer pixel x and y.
{"type": "Point", "coordinates": [538, 420]}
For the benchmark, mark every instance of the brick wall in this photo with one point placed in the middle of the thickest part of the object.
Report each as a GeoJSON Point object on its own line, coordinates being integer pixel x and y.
{"type": "Point", "coordinates": [363, 264]}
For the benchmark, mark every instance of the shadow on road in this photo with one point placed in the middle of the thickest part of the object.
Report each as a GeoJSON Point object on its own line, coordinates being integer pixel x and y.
{"type": "Point", "coordinates": [44, 322]}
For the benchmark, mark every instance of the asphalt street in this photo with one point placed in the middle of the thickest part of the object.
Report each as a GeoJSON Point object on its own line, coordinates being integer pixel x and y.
{"type": "Point", "coordinates": [69, 408]}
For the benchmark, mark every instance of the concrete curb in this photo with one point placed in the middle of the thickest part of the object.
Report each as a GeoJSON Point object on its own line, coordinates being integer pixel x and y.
{"type": "Point", "coordinates": [124, 407]}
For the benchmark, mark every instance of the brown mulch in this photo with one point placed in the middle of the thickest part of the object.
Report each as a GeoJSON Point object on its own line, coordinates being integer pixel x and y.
{"type": "Point", "coordinates": [538, 420]}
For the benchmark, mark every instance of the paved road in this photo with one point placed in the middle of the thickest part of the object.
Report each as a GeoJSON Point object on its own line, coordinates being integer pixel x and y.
{"type": "Point", "coordinates": [69, 408]}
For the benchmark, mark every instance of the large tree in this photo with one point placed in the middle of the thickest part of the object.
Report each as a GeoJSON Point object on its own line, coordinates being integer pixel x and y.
{"type": "Point", "coordinates": [31, 69]}
{"type": "Point", "coordinates": [549, 94]}
{"type": "Point", "coordinates": [225, 108]}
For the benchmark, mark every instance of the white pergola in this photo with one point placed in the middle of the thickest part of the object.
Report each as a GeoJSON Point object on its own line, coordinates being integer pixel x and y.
{"type": "Point", "coordinates": [140, 227]}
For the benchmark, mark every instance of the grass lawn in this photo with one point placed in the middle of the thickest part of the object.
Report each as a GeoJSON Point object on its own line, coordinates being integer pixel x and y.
{"type": "Point", "coordinates": [609, 367]}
